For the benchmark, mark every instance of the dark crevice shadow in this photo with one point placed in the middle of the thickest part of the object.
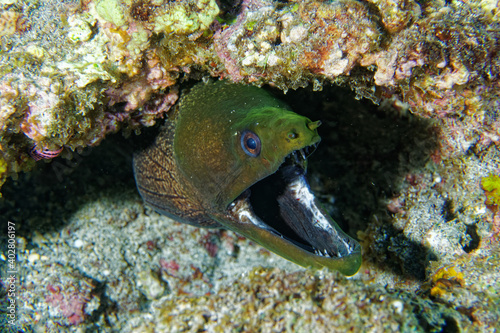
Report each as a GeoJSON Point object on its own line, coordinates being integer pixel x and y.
{"type": "Point", "coordinates": [474, 241]}
{"type": "Point", "coordinates": [363, 159]}
{"type": "Point", "coordinates": [45, 199]}
{"type": "Point", "coordinates": [229, 9]}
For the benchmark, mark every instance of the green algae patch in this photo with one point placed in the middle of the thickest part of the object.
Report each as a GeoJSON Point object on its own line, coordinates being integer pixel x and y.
{"type": "Point", "coordinates": [3, 172]}
{"type": "Point", "coordinates": [491, 187]}
{"type": "Point", "coordinates": [111, 11]}
{"type": "Point", "coordinates": [3, 166]}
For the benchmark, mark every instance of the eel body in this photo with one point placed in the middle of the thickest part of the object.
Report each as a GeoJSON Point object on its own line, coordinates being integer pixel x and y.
{"type": "Point", "coordinates": [206, 166]}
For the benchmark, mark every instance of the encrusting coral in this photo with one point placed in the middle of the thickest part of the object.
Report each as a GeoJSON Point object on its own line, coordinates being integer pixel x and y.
{"type": "Point", "coordinates": [69, 79]}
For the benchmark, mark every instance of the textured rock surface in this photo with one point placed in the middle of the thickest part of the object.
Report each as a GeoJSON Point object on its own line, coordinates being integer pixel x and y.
{"type": "Point", "coordinates": [73, 72]}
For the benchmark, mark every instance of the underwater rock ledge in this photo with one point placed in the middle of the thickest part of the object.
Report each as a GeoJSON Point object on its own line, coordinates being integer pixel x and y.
{"type": "Point", "coordinates": [72, 72]}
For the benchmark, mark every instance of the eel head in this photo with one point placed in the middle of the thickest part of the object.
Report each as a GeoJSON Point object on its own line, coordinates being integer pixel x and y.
{"type": "Point", "coordinates": [235, 157]}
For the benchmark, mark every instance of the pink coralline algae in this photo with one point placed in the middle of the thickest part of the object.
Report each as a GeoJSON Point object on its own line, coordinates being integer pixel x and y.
{"type": "Point", "coordinates": [152, 108]}
{"type": "Point", "coordinates": [170, 267]}
{"type": "Point", "coordinates": [67, 303]}
{"type": "Point", "coordinates": [226, 35]}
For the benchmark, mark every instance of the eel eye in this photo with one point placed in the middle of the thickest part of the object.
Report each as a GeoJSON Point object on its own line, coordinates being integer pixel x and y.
{"type": "Point", "coordinates": [250, 143]}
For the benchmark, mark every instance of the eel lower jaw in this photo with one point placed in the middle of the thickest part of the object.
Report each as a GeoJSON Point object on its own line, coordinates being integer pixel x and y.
{"type": "Point", "coordinates": [317, 242]}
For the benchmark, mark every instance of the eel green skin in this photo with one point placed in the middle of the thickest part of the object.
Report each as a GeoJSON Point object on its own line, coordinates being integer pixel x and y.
{"type": "Point", "coordinates": [223, 138]}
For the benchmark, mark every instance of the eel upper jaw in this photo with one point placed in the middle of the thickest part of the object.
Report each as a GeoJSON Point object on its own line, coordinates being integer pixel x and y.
{"type": "Point", "coordinates": [322, 243]}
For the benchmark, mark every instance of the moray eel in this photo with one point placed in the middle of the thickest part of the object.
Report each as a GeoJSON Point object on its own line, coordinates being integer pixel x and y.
{"type": "Point", "coordinates": [222, 141]}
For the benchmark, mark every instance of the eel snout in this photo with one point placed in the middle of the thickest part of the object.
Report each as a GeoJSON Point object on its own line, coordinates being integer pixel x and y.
{"type": "Point", "coordinates": [300, 229]}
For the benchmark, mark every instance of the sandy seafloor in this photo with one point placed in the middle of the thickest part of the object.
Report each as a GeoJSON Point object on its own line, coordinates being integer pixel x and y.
{"type": "Point", "coordinates": [92, 258]}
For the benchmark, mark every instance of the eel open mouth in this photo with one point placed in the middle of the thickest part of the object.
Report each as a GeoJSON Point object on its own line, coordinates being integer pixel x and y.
{"type": "Point", "coordinates": [281, 209]}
